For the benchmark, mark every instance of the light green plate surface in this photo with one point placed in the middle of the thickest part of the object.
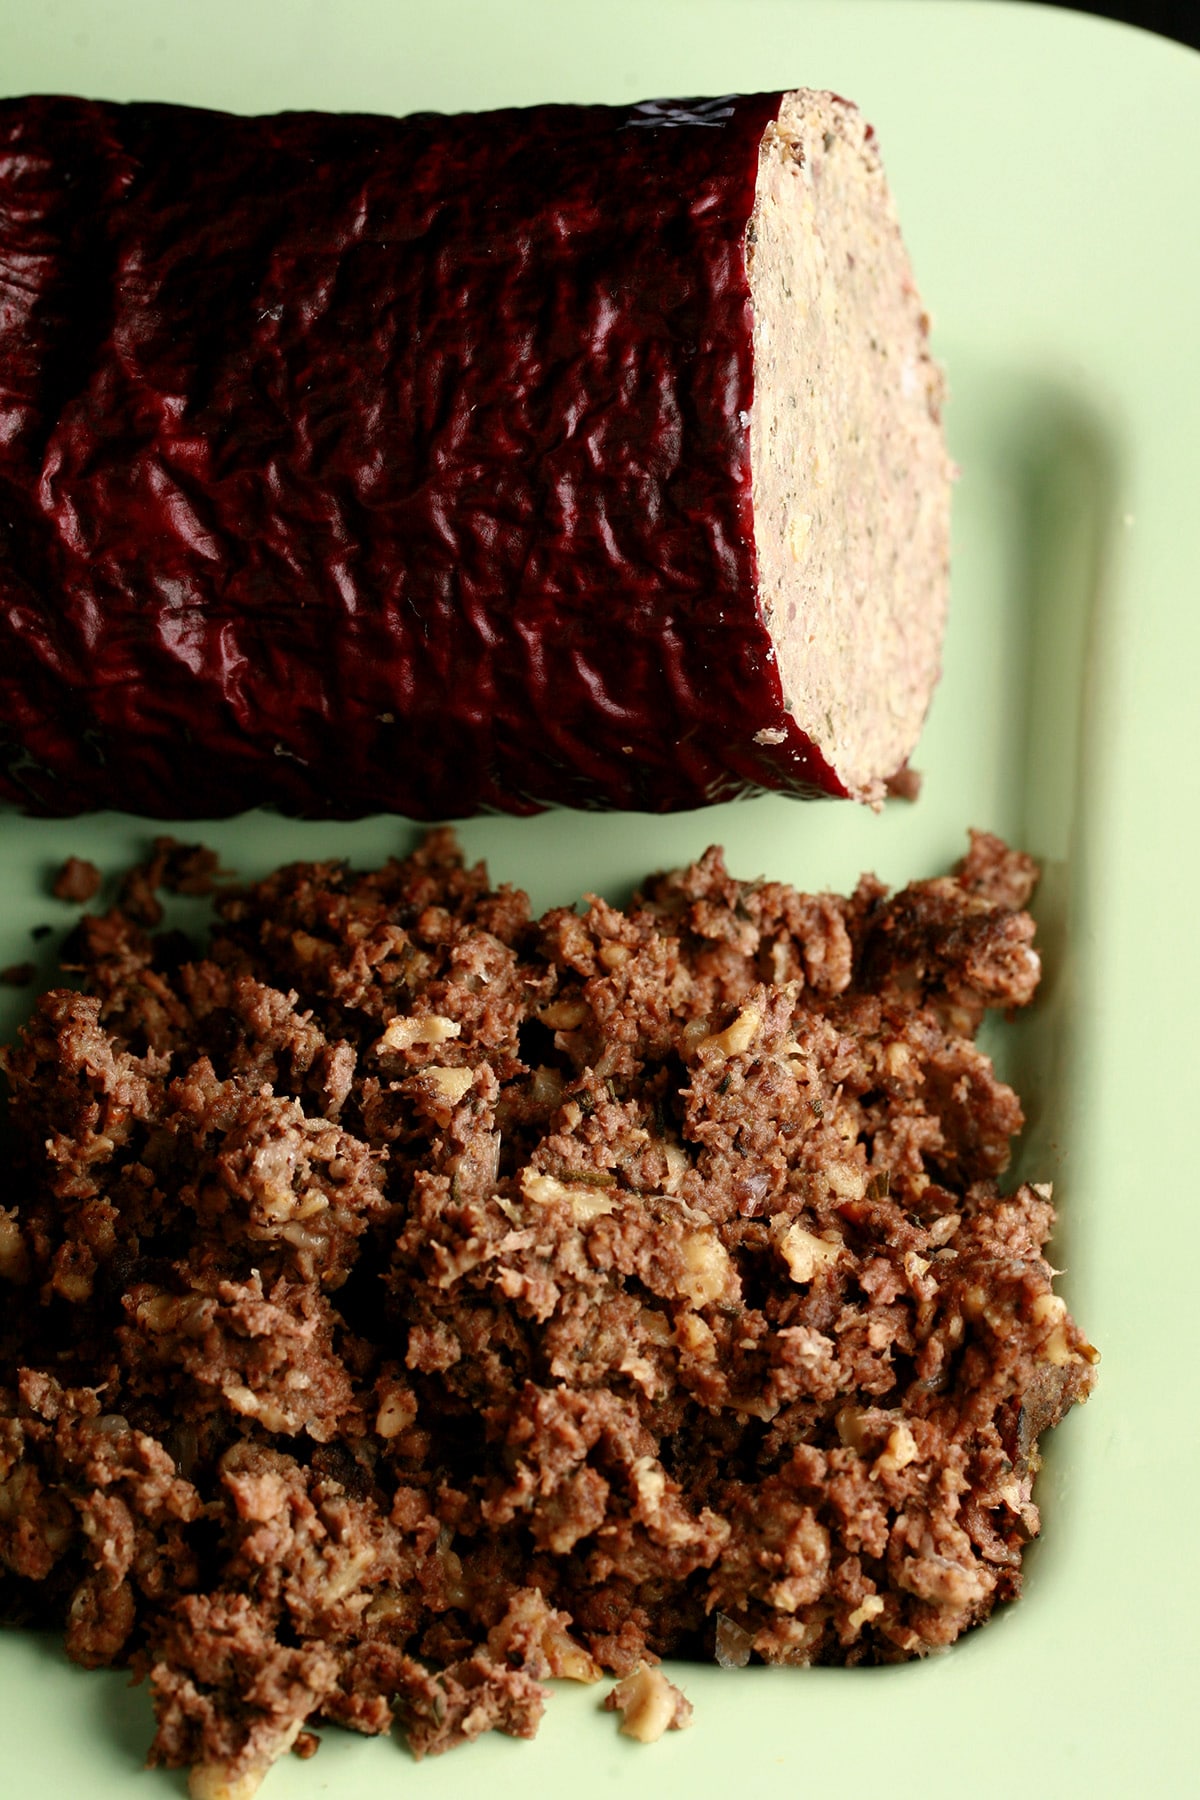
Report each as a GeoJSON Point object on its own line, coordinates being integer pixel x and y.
{"type": "Point", "coordinates": [1046, 168]}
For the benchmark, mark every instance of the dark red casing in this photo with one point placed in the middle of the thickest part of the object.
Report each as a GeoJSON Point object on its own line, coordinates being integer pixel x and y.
{"type": "Point", "coordinates": [353, 464]}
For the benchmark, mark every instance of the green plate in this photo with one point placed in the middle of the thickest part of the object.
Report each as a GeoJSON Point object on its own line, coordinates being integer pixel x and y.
{"type": "Point", "coordinates": [1046, 168]}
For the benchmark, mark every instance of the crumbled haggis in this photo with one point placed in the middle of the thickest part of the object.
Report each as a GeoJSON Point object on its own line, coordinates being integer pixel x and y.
{"type": "Point", "coordinates": [905, 784]}
{"type": "Point", "coordinates": [649, 1705]}
{"type": "Point", "coordinates": [77, 880]}
{"type": "Point", "coordinates": [410, 1300]}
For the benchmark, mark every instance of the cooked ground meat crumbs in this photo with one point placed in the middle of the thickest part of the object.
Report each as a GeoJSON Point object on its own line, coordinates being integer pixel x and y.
{"type": "Point", "coordinates": [76, 880]}
{"type": "Point", "coordinates": [410, 1299]}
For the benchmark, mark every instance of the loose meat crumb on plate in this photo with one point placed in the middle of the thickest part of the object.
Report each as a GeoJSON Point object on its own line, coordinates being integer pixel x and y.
{"type": "Point", "coordinates": [411, 1300]}
{"type": "Point", "coordinates": [77, 880]}
{"type": "Point", "coordinates": [649, 1705]}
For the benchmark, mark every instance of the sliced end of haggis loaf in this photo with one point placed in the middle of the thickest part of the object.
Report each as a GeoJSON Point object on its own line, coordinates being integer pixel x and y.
{"type": "Point", "coordinates": [409, 1300]}
{"type": "Point", "coordinates": [850, 472]}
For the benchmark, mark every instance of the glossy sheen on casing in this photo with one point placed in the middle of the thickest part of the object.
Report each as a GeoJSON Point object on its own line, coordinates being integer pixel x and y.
{"type": "Point", "coordinates": [351, 464]}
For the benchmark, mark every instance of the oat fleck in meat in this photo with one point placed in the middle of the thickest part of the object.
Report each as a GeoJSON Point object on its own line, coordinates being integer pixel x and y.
{"type": "Point", "coordinates": [410, 1300]}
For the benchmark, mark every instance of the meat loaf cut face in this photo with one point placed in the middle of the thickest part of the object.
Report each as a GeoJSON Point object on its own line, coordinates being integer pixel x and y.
{"type": "Point", "coordinates": [851, 481]}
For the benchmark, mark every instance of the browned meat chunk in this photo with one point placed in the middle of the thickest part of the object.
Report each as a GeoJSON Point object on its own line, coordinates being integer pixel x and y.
{"type": "Point", "coordinates": [77, 880]}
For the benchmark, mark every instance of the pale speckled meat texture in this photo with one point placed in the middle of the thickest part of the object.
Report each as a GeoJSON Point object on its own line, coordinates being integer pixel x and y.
{"type": "Point", "coordinates": [409, 1300]}
{"type": "Point", "coordinates": [353, 464]}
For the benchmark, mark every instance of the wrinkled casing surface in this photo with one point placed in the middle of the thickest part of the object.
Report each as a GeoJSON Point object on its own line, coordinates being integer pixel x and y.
{"type": "Point", "coordinates": [351, 464]}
